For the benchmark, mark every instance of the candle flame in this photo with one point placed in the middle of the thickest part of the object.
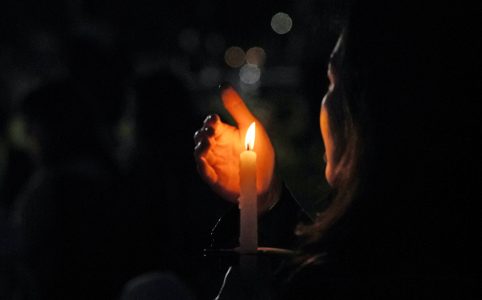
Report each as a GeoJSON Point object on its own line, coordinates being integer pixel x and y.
{"type": "Point", "coordinates": [250, 134]}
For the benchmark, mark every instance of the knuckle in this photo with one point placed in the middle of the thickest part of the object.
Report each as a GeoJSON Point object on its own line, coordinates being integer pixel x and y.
{"type": "Point", "coordinates": [209, 131]}
{"type": "Point", "coordinates": [208, 119]}
{"type": "Point", "coordinates": [196, 134]}
{"type": "Point", "coordinates": [211, 119]}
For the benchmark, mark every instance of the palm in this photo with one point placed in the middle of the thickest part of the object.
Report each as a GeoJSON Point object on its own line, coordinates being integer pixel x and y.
{"type": "Point", "coordinates": [224, 160]}
{"type": "Point", "coordinates": [218, 160]}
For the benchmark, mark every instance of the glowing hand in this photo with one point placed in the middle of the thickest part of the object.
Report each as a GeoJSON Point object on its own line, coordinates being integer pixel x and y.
{"type": "Point", "coordinates": [218, 146]}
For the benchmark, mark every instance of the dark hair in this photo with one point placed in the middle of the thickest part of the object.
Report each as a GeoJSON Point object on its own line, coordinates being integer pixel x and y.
{"type": "Point", "coordinates": [388, 116]}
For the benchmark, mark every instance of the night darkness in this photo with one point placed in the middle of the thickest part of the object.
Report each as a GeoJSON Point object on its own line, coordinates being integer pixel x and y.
{"type": "Point", "coordinates": [108, 47]}
{"type": "Point", "coordinates": [99, 101]}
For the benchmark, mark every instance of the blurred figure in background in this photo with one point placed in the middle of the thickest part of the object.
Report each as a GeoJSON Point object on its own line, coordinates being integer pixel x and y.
{"type": "Point", "coordinates": [15, 169]}
{"type": "Point", "coordinates": [171, 208]}
{"type": "Point", "coordinates": [15, 164]}
{"type": "Point", "coordinates": [102, 68]}
{"type": "Point", "coordinates": [67, 218]}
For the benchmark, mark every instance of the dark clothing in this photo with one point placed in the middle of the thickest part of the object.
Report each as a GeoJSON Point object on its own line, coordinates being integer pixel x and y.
{"type": "Point", "coordinates": [68, 221]}
{"type": "Point", "coordinates": [348, 263]}
{"type": "Point", "coordinates": [15, 170]}
{"type": "Point", "coordinates": [169, 220]}
{"type": "Point", "coordinates": [14, 174]}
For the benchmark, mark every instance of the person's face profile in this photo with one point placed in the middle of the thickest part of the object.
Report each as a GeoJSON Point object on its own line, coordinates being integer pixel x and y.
{"type": "Point", "coordinates": [326, 132]}
{"type": "Point", "coordinates": [327, 135]}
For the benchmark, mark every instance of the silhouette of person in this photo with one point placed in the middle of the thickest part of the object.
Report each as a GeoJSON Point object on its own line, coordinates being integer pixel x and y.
{"type": "Point", "coordinates": [15, 165]}
{"type": "Point", "coordinates": [68, 217]}
{"type": "Point", "coordinates": [15, 169]}
{"type": "Point", "coordinates": [168, 200]}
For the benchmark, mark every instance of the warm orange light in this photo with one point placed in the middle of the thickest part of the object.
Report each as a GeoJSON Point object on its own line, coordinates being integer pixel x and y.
{"type": "Point", "coordinates": [256, 56]}
{"type": "Point", "coordinates": [250, 134]}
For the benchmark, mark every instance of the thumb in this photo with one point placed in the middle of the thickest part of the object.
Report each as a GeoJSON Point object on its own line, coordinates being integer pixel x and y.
{"type": "Point", "coordinates": [234, 104]}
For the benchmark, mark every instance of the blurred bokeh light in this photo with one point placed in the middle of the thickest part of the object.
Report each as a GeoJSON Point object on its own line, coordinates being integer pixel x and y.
{"type": "Point", "coordinates": [250, 74]}
{"type": "Point", "coordinates": [210, 76]}
{"type": "Point", "coordinates": [189, 40]}
{"type": "Point", "coordinates": [281, 23]}
{"type": "Point", "coordinates": [256, 56]}
{"type": "Point", "coordinates": [234, 57]}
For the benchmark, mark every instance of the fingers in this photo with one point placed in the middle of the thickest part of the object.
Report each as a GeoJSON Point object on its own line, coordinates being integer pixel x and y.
{"type": "Point", "coordinates": [202, 134]}
{"type": "Point", "coordinates": [213, 125]}
{"type": "Point", "coordinates": [201, 147]}
{"type": "Point", "coordinates": [211, 120]}
{"type": "Point", "coordinates": [234, 104]}
{"type": "Point", "coordinates": [202, 140]}
{"type": "Point", "coordinates": [207, 130]}
{"type": "Point", "coordinates": [201, 150]}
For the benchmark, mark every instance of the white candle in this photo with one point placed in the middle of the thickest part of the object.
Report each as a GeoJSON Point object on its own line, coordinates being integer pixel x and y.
{"type": "Point", "coordinates": [248, 235]}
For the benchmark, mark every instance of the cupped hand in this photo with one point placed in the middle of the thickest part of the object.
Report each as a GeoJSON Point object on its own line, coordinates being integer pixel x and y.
{"type": "Point", "coordinates": [218, 146]}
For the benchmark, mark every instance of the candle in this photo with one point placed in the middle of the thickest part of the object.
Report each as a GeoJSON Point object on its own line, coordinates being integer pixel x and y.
{"type": "Point", "coordinates": [248, 235]}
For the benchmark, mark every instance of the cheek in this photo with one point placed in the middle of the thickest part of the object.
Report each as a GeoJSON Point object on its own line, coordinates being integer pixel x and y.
{"type": "Point", "coordinates": [328, 142]}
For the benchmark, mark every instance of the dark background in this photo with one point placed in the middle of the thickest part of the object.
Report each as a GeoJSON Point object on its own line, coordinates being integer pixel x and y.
{"type": "Point", "coordinates": [40, 41]}
{"type": "Point", "coordinates": [109, 46]}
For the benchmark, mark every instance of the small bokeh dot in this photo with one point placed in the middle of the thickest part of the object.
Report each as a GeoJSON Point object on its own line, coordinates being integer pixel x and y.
{"type": "Point", "coordinates": [249, 74]}
{"type": "Point", "coordinates": [234, 57]}
{"type": "Point", "coordinates": [256, 56]}
{"type": "Point", "coordinates": [281, 23]}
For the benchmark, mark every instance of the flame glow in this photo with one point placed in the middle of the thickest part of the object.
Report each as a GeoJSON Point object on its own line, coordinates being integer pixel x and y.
{"type": "Point", "coordinates": [250, 135]}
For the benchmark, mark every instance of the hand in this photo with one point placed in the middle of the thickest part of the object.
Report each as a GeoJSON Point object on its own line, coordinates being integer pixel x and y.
{"type": "Point", "coordinates": [218, 146]}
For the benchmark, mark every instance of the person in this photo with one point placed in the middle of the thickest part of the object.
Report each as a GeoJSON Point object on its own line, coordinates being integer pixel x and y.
{"type": "Point", "coordinates": [15, 168]}
{"type": "Point", "coordinates": [161, 185]}
{"type": "Point", "coordinates": [398, 140]}
{"type": "Point", "coordinates": [15, 165]}
{"type": "Point", "coordinates": [68, 218]}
